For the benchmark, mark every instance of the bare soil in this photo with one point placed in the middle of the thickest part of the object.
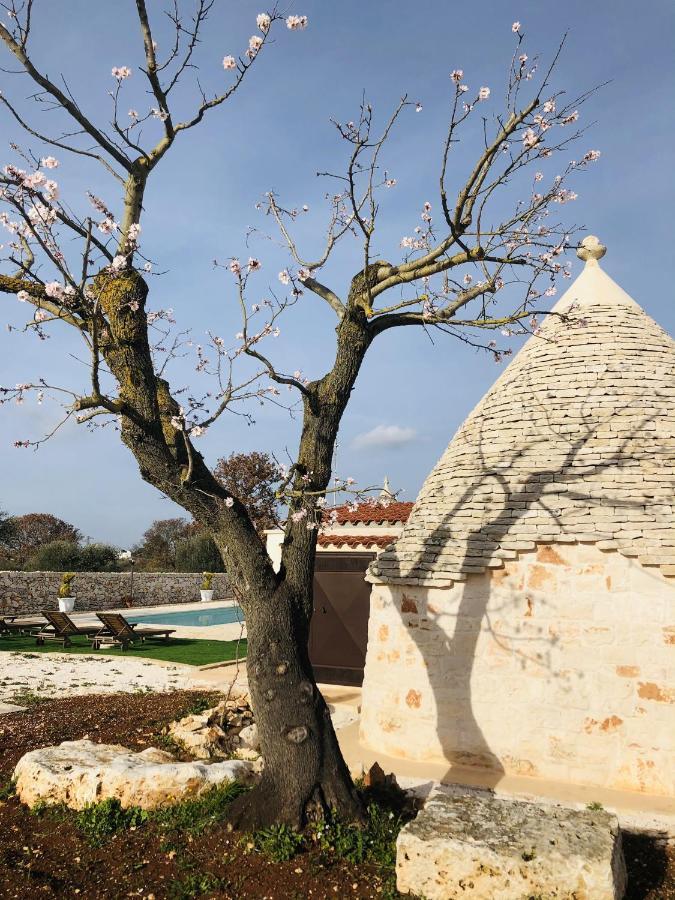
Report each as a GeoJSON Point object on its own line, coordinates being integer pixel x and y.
{"type": "Point", "coordinates": [42, 857]}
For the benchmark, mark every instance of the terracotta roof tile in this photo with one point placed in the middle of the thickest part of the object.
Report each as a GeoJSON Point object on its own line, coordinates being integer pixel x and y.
{"type": "Point", "coordinates": [356, 540]}
{"type": "Point", "coordinates": [374, 513]}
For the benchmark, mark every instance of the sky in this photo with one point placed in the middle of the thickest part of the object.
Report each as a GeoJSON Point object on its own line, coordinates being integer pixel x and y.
{"type": "Point", "coordinates": [275, 133]}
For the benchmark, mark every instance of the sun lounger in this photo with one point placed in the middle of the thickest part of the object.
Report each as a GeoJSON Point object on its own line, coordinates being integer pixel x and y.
{"type": "Point", "coordinates": [16, 625]}
{"type": "Point", "coordinates": [61, 627]}
{"type": "Point", "coordinates": [118, 631]}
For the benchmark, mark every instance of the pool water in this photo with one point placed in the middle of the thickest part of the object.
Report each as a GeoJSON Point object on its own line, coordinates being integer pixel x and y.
{"type": "Point", "coordinates": [219, 615]}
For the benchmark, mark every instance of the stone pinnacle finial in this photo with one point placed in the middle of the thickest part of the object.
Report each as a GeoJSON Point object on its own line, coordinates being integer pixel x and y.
{"type": "Point", "coordinates": [591, 249]}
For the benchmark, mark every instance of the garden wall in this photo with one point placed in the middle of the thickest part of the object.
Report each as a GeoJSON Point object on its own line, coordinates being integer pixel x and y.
{"type": "Point", "coordinates": [29, 592]}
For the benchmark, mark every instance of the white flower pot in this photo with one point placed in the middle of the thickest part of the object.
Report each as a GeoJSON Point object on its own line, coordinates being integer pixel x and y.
{"type": "Point", "coordinates": [66, 604]}
{"type": "Point", "coordinates": [206, 596]}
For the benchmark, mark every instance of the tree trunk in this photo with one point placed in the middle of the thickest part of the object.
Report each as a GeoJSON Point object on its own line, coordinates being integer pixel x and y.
{"type": "Point", "coordinates": [305, 775]}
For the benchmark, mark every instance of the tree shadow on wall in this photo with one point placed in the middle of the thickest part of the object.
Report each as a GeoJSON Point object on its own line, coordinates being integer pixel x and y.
{"type": "Point", "coordinates": [450, 657]}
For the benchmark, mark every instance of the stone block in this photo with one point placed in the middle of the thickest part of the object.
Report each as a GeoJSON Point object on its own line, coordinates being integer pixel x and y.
{"type": "Point", "coordinates": [77, 773]}
{"type": "Point", "coordinates": [481, 848]}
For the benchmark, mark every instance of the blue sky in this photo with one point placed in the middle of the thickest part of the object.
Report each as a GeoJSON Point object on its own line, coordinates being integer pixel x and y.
{"type": "Point", "coordinates": [276, 133]}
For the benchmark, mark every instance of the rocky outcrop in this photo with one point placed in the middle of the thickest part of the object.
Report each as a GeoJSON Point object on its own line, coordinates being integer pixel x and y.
{"type": "Point", "coordinates": [77, 773]}
{"type": "Point", "coordinates": [481, 848]}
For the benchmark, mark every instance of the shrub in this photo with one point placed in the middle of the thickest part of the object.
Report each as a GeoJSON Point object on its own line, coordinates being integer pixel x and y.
{"type": "Point", "coordinates": [98, 558]}
{"type": "Point", "coordinates": [56, 556]}
{"type": "Point", "coordinates": [207, 581]}
{"type": "Point", "coordinates": [65, 589]}
{"type": "Point", "coordinates": [198, 554]}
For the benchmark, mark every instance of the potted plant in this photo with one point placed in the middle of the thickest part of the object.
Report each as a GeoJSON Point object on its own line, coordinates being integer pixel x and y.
{"type": "Point", "coordinates": [206, 590]}
{"type": "Point", "coordinates": [66, 597]}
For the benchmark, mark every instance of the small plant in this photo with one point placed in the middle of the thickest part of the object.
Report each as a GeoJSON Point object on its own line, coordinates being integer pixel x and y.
{"type": "Point", "coordinates": [6, 790]}
{"type": "Point", "coordinates": [196, 884]}
{"type": "Point", "coordinates": [101, 820]}
{"type": "Point", "coordinates": [279, 842]}
{"type": "Point", "coordinates": [595, 806]}
{"type": "Point", "coordinates": [194, 816]}
{"type": "Point", "coordinates": [66, 590]}
{"type": "Point", "coordinates": [207, 581]}
{"type": "Point", "coordinates": [529, 855]}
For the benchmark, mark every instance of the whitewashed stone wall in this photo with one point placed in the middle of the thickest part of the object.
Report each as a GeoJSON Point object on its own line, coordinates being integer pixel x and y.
{"type": "Point", "coordinates": [559, 665]}
{"type": "Point", "coordinates": [29, 592]}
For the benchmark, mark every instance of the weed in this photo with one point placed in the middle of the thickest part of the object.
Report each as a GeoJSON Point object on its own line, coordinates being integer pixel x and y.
{"type": "Point", "coordinates": [101, 820]}
{"type": "Point", "coordinates": [279, 842]}
{"type": "Point", "coordinates": [7, 790]}
{"type": "Point", "coordinates": [194, 816]}
{"type": "Point", "coordinates": [528, 855]}
{"type": "Point", "coordinates": [374, 842]}
{"type": "Point", "coordinates": [595, 806]}
{"type": "Point", "coordinates": [196, 884]}
{"type": "Point", "coordinates": [27, 697]}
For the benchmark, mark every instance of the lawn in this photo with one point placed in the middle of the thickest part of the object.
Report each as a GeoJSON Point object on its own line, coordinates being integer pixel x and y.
{"type": "Point", "coordinates": [189, 651]}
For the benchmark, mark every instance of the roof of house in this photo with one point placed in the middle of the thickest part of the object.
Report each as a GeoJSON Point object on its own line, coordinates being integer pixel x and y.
{"type": "Point", "coordinates": [371, 513]}
{"type": "Point", "coordinates": [575, 441]}
{"type": "Point", "coordinates": [355, 540]}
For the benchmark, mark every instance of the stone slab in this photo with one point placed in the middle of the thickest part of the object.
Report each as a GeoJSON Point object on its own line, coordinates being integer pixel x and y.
{"type": "Point", "coordinates": [78, 773]}
{"type": "Point", "coordinates": [487, 849]}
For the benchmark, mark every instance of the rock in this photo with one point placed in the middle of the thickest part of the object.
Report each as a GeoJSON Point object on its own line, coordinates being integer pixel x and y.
{"type": "Point", "coordinates": [199, 737]}
{"type": "Point", "coordinates": [80, 772]}
{"type": "Point", "coordinates": [481, 848]}
{"type": "Point", "coordinates": [342, 715]}
{"type": "Point", "coordinates": [248, 738]}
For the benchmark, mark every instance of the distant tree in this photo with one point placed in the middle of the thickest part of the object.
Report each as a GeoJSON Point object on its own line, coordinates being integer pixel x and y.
{"type": "Point", "coordinates": [56, 556]}
{"type": "Point", "coordinates": [252, 477]}
{"type": "Point", "coordinates": [198, 554]}
{"type": "Point", "coordinates": [6, 528]}
{"type": "Point", "coordinates": [35, 530]}
{"type": "Point", "coordinates": [99, 558]}
{"type": "Point", "coordinates": [157, 549]}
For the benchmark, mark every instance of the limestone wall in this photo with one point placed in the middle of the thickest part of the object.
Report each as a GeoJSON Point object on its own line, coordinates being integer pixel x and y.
{"type": "Point", "coordinates": [558, 665]}
{"type": "Point", "coordinates": [29, 592]}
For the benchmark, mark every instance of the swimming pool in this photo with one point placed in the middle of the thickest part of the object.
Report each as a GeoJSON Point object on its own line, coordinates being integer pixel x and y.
{"type": "Point", "coordinates": [219, 615]}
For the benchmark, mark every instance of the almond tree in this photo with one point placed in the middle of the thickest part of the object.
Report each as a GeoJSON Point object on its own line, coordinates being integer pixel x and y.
{"type": "Point", "coordinates": [469, 270]}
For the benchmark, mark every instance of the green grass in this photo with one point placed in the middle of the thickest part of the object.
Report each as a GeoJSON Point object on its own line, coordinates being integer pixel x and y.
{"type": "Point", "coordinates": [189, 651]}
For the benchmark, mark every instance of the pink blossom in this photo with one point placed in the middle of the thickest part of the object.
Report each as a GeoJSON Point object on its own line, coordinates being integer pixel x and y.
{"type": "Point", "coordinates": [35, 180]}
{"type": "Point", "coordinates": [515, 28]}
{"type": "Point", "coordinates": [134, 232]}
{"type": "Point", "coordinates": [133, 113]}
{"type": "Point", "coordinates": [538, 176]}
{"type": "Point", "coordinates": [254, 264]}
{"type": "Point", "coordinates": [255, 43]}
{"type": "Point", "coordinates": [147, 267]}
{"type": "Point", "coordinates": [118, 264]}
{"type": "Point", "coordinates": [484, 93]}
{"type": "Point", "coordinates": [229, 62]}
{"type": "Point", "coordinates": [467, 279]}
{"type": "Point", "coordinates": [418, 107]}
{"type": "Point", "coordinates": [229, 502]}
{"type": "Point", "coordinates": [197, 431]}
{"type": "Point", "coordinates": [463, 88]}
{"type": "Point", "coordinates": [284, 277]}
{"type": "Point", "coordinates": [296, 22]}
{"type": "Point", "coordinates": [48, 162]}
{"type": "Point", "coordinates": [263, 21]}
{"type": "Point", "coordinates": [121, 72]}
{"type": "Point", "coordinates": [23, 296]}
{"type": "Point", "coordinates": [591, 156]}
{"type": "Point", "coordinates": [304, 274]}
{"type": "Point", "coordinates": [457, 75]}
{"type": "Point", "coordinates": [239, 336]}
{"type": "Point", "coordinates": [235, 266]}
{"type": "Point", "coordinates": [571, 118]}
{"type": "Point", "coordinates": [160, 114]}
{"type": "Point", "coordinates": [107, 226]}
{"type": "Point", "coordinates": [550, 292]}
{"type": "Point", "coordinates": [390, 182]}
{"type": "Point", "coordinates": [299, 515]}
{"type": "Point", "coordinates": [41, 315]}
{"type": "Point", "coordinates": [549, 106]}
{"type": "Point", "coordinates": [54, 289]}
{"type": "Point", "coordinates": [530, 139]}
{"type": "Point", "coordinates": [51, 190]}
{"type": "Point", "coordinates": [522, 59]}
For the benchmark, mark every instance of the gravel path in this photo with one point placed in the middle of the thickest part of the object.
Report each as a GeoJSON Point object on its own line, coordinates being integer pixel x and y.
{"type": "Point", "coordinates": [24, 676]}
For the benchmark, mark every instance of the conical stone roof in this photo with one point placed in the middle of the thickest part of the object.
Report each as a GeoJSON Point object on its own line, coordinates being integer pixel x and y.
{"type": "Point", "coordinates": [574, 442]}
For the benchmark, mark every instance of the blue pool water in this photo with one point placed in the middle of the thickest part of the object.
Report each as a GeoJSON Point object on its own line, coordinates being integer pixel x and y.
{"type": "Point", "coordinates": [218, 615]}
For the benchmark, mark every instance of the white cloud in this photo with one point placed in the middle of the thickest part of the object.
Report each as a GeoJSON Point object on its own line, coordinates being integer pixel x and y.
{"type": "Point", "coordinates": [384, 436]}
